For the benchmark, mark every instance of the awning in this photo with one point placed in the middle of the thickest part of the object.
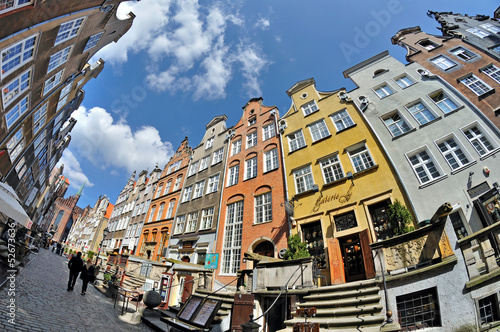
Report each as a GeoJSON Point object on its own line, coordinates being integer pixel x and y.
{"type": "Point", "coordinates": [10, 206]}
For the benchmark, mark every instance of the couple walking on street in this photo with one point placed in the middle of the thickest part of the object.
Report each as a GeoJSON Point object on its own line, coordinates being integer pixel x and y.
{"type": "Point", "coordinates": [86, 272]}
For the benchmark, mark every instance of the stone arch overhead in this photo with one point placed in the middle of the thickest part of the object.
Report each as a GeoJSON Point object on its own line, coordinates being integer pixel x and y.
{"type": "Point", "coordinates": [234, 162]}
{"type": "Point", "coordinates": [259, 240]}
{"type": "Point", "coordinates": [270, 146]}
{"type": "Point", "coordinates": [251, 155]}
{"type": "Point", "coordinates": [263, 189]}
{"type": "Point", "coordinates": [235, 198]}
{"type": "Point", "coordinates": [237, 137]}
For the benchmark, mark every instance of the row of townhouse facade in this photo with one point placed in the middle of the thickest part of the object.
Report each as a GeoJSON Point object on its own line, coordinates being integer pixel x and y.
{"type": "Point", "coordinates": [425, 134]}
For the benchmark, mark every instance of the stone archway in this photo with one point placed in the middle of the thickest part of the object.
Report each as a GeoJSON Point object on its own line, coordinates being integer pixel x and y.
{"type": "Point", "coordinates": [264, 248]}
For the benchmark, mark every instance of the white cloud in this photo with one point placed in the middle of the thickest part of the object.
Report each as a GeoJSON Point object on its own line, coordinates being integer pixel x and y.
{"type": "Point", "coordinates": [73, 170]}
{"type": "Point", "coordinates": [252, 64]}
{"type": "Point", "coordinates": [263, 24]}
{"type": "Point", "coordinates": [113, 144]}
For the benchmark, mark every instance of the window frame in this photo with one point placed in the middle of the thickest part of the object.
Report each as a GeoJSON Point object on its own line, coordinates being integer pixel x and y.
{"type": "Point", "coordinates": [59, 58]}
{"type": "Point", "coordinates": [210, 142]}
{"type": "Point", "coordinates": [218, 156]}
{"type": "Point", "coordinates": [20, 83]}
{"type": "Point", "coordinates": [191, 222]}
{"type": "Point", "coordinates": [22, 60]}
{"type": "Point", "coordinates": [72, 34]}
{"type": "Point", "coordinates": [268, 131]}
{"type": "Point", "coordinates": [233, 175]}
{"type": "Point", "coordinates": [251, 169]}
{"type": "Point", "coordinates": [421, 112]}
{"type": "Point", "coordinates": [400, 78]}
{"type": "Point", "coordinates": [179, 224]}
{"type": "Point", "coordinates": [93, 41]}
{"type": "Point", "coordinates": [360, 153]}
{"type": "Point", "coordinates": [344, 118]}
{"type": "Point", "coordinates": [306, 178]}
{"type": "Point", "coordinates": [52, 82]}
{"type": "Point", "coordinates": [204, 162]}
{"type": "Point", "coordinates": [335, 166]}
{"type": "Point", "coordinates": [494, 73]}
{"type": "Point", "coordinates": [446, 109]}
{"type": "Point", "coordinates": [263, 208]}
{"type": "Point", "coordinates": [232, 239]}
{"type": "Point", "coordinates": [296, 140]}
{"type": "Point", "coordinates": [490, 27]}
{"type": "Point", "coordinates": [170, 209]}
{"type": "Point", "coordinates": [309, 108]}
{"type": "Point", "coordinates": [317, 130]}
{"type": "Point", "coordinates": [478, 32]}
{"type": "Point", "coordinates": [271, 160]}
{"type": "Point", "coordinates": [397, 124]}
{"type": "Point", "coordinates": [251, 139]}
{"type": "Point", "coordinates": [443, 62]}
{"type": "Point", "coordinates": [16, 5]}
{"type": "Point", "coordinates": [425, 165]}
{"type": "Point", "coordinates": [381, 87]}
{"type": "Point", "coordinates": [463, 53]}
{"type": "Point", "coordinates": [186, 195]}
{"type": "Point", "coordinates": [17, 111]}
{"type": "Point", "coordinates": [475, 82]}
{"type": "Point", "coordinates": [199, 188]}
{"type": "Point", "coordinates": [454, 152]}
{"type": "Point", "coordinates": [205, 217]}
{"type": "Point", "coordinates": [483, 134]}
{"type": "Point", "coordinates": [213, 184]}
{"type": "Point", "coordinates": [236, 145]}
{"type": "Point", "coordinates": [193, 168]}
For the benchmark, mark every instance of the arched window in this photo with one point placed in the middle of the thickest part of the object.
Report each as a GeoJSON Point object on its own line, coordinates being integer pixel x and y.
{"type": "Point", "coordinates": [58, 219]}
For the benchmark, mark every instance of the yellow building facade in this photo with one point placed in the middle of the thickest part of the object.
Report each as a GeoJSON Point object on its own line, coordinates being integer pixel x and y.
{"type": "Point", "coordinates": [339, 181]}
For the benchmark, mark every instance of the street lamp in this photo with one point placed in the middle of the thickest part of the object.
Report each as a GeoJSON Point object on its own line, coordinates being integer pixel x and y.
{"type": "Point", "coordinates": [105, 232]}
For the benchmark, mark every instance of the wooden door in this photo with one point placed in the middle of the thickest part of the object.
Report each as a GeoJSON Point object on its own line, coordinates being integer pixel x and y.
{"type": "Point", "coordinates": [337, 275]}
{"type": "Point", "coordinates": [353, 259]}
{"type": "Point", "coordinates": [364, 238]}
{"type": "Point", "coordinates": [241, 311]}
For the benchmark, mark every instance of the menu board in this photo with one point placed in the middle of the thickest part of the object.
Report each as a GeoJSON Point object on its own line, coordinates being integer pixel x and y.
{"type": "Point", "coordinates": [189, 309]}
{"type": "Point", "coordinates": [206, 311]}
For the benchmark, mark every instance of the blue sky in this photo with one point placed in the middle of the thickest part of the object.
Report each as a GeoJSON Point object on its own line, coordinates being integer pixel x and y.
{"type": "Point", "coordinates": [185, 61]}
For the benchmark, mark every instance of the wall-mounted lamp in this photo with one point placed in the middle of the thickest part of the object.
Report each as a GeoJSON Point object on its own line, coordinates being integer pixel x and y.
{"type": "Point", "coordinates": [486, 170]}
{"type": "Point", "coordinates": [350, 176]}
{"type": "Point", "coordinates": [293, 221]}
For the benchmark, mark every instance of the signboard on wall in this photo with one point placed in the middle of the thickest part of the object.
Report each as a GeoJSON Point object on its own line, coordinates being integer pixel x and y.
{"type": "Point", "coordinates": [212, 261]}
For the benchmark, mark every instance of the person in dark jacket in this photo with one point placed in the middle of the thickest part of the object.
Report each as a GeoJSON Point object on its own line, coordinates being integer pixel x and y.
{"type": "Point", "coordinates": [87, 275]}
{"type": "Point", "coordinates": [75, 265]}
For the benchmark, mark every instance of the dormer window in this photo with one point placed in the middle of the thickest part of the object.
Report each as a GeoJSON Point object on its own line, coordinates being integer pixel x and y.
{"type": "Point", "coordinates": [309, 107]}
{"type": "Point", "coordinates": [252, 121]}
{"type": "Point", "coordinates": [428, 44]}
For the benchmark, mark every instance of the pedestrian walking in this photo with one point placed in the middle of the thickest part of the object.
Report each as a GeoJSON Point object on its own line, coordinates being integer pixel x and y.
{"type": "Point", "coordinates": [87, 275]}
{"type": "Point", "coordinates": [75, 265]}
{"type": "Point", "coordinates": [59, 247]}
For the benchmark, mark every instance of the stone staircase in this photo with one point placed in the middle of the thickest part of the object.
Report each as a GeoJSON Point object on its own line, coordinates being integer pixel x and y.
{"type": "Point", "coordinates": [347, 307]}
{"type": "Point", "coordinates": [226, 297]}
{"type": "Point", "coordinates": [132, 282]}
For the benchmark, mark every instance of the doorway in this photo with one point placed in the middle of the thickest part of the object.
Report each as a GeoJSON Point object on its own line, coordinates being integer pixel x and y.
{"type": "Point", "coordinates": [352, 255]}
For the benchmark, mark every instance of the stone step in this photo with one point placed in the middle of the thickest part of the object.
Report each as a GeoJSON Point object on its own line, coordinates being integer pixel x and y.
{"type": "Point", "coordinates": [342, 293]}
{"type": "Point", "coordinates": [226, 297]}
{"type": "Point", "coordinates": [357, 329]}
{"type": "Point", "coordinates": [345, 286]}
{"type": "Point", "coordinates": [346, 302]}
{"type": "Point", "coordinates": [361, 321]}
{"type": "Point", "coordinates": [349, 311]}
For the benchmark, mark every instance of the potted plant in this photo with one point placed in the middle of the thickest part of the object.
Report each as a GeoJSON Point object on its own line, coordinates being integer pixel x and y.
{"type": "Point", "coordinates": [296, 248]}
{"type": "Point", "coordinates": [400, 218]}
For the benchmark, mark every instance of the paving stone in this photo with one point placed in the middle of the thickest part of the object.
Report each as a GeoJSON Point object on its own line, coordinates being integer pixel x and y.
{"type": "Point", "coordinates": [42, 302]}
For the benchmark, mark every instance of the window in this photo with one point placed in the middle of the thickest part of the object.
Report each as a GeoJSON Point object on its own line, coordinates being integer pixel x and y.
{"type": "Point", "coordinates": [361, 158]}
{"type": "Point", "coordinates": [174, 167]}
{"type": "Point", "coordinates": [207, 216]}
{"type": "Point", "coordinates": [13, 90]}
{"type": "Point", "coordinates": [193, 168]}
{"type": "Point", "coordinates": [331, 169]}
{"type": "Point", "coordinates": [309, 107]}
{"type": "Point", "coordinates": [167, 187]}
{"type": "Point", "coordinates": [418, 310]}
{"type": "Point", "coordinates": [444, 102]}
{"type": "Point", "coordinates": [303, 179]}
{"type": "Point", "coordinates": [496, 49]}
{"type": "Point", "coordinates": [296, 140]}
{"type": "Point", "coordinates": [192, 220]}
{"type": "Point", "coordinates": [160, 211]}
{"type": "Point", "coordinates": [268, 131]}
{"type": "Point", "coordinates": [236, 147]}
{"type": "Point", "coordinates": [198, 189]}
{"type": "Point", "coordinates": [404, 81]}
{"type": "Point", "coordinates": [39, 118]}
{"type": "Point", "coordinates": [252, 139]}
{"type": "Point", "coordinates": [210, 142]}
{"type": "Point", "coordinates": [342, 120]}
{"type": "Point", "coordinates": [490, 27]}
{"type": "Point", "coordinates": [475, 84]}
{"type": "Point", "coordinates": [271, 160]}
{"type": "Point", "coordinates": [15, 145]}
{"type": "Point", "coordinates": [443, 62]}
{"type": "Point", "coordinates": [458, 225]}
{"type": "Point", "coordinates": [204, 163]}
{"type": "Point", "coordinates": [17, 111]}
{"type": "Point", "coordinates": [479, 140]}
{"type": "Point", "coordinates": [158, 192]}
{"type": "Point", "coordinates": [421, 113]}
{"type": "Point", "coordinates": [14, 56]}
{"type": "Point", "coordinates": [187, 194]}
{"type": "Point", "coordinates": [345, 221]}
{"type": "Point", "coordinates": [52, 82]}
{"type": "Point", "coordinates": [453, 152]}
{"type": "Point", "coordinates": [396, 124]}
{"type": "Point", "coordinates": [142, 208]}
{"type": "Point", "coordinates": [177, 184]}
{"type": "Point", "coordinates": [250, 168]}
{"type": "Point", "coordinates": [218, 155]}
{"type": "Point", "coordinates": [61, 103]}
{"type": "Point", "coordinates": [8, 5]}
{"type": "Point", "coordinates": [69, 30]}
{"type": "Point", "coordinates": [424, 166]}
{"type": "Point", "coordinates": [478, 32]}
{"type": "Point", "coordinates": [151, 214]}
{"type": "Point", "coordinates": [428, 44]}
{"type": "Point", "coordinates": [179, 224]}
{"type": "Point", "coordinates": [488, 309]}
{"type": "Point", "coordinates": [463, 53]}
{"type": "Point", "coordinates": [493, 72]}
{"type": "Point", "coordinates": [234, 173]}
{"type": "Point", "coordinates": [383, 91]}
{"type": "Point", "coordinates": [263, 208]}
{"type": "Point", "coordinates": [213, 184]}
{"type": "Point", "coordinates": [318, 130]}
{"type": "Point", "coordinates": [231, 249]}
{"type": "Point", "coordinates": [93, 40]}
{"type": "Point", "coordinates": [252, 121]}
{"type": "Point", "coordinates": [170, 210]}
{"type": "Point", "coordinates": [59, 58]}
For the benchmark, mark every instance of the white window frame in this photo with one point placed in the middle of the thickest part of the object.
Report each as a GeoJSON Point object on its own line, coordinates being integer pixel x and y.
{"type": "Point", "coordinates": [17, 111]}
{"type": "Point", "coordinates": [16, 4]}
{"type": "Point", "coordinates": [177, 184]}
{"type": "Point", "coordinates": [210, 142]}
{"type": "Point", "coordinates": [426, 165]}
{"type": "Point", "coordinates": [297, 142]}
{"type": "Point", "coordinates": [207, 218]}
{"type": "Point", "coordinates": [61, 103]}
{"type": "Point", "coordinates": [158, 192]}
{"type": "Point", "coordinates": [192, 221]}
{"type": "Point", "coordinates": [233, 175]}
{"type": "Point", "coordinates": [213, 183]}
{"type": "Point", "coordinates": [453, 154]}
{"type": "Point", "coordinates": [402, 125]}
{"type": "Point", "coordinates": [463, 54]}
{"type": "Point", "coordinates": [303, 179]}
{"type": "Point", "coordinates": [318, 130]}
{"type": "Point", "coordinates": [204, 163]}
{"type": "Point", "coordinates": [93, 41]}
{"type": "Point", "coordinates": [236, 147]}
{"type": "Point", "coordinates": [151, 213]}
{"type": "Point", "coordinates": [251, 139]}
{"type": "Point", "coordinates": [59, 58]}
{"type": "Point", "coordinates": [309, 107]}
{"type": "Point", "coordinates": [263, 208]}
{"type": "Point", "coordinates": [479, 32]}
{"type": "Point", "coordinates": [492, 71]}
{"type": "Point", "coordinates": [360, 157]}
{"type": "Point", "coordinates": [193, 168]}
{"type": "Point", "coordinates": [271, 160]}
{"type": "Point", "coordinates": [170, 209]}
{"type": "Point", "coordinates": [481, 140]}
{"type": "Point", "coordinates": [179, 224]}
{"type": "Point", "coordinates": [404, 81]}
{"type": "Point", "coordinates": [422, 114]}
{"type": "Point", "coordinates": [252, 121]}
{"type": "Point", "coordinates": [160, 211]}
{"type": "Point", "coordinates": [430, 44]}
{"type": "Point", "coordinates": [268, 131]}
{"type": "Point", "coordinates": [231, 248]}
{"type": "Point", "coordinates": [218, 156]}
{"type": "Point", "coordinates": [16, 87]}
{"type": "Point", "coordinates": [15, 145]}
{"type": "Point", "coordinates": [331, 165]}
{"type": "Point", "coordinates": [186, 196]}
{"type": "Point", "coordinates": [251, 168]}
{"type": "Point", "coordinates": [442, 62]}
{"type": "Point", "coordinates": [490, 27]}
{"type": "Point", "coordinates": [444, 103]}
{"type": "Point", "coordinates": [383, 90]}
{"type": "Point", "coordinates": [53, 81]}
{"type": "Point", "coordinates": [167, 187]}
{"type": "Point", "coordinates": [199, 188]}
{"type": "Point", "coordinates": [21, 49]}
{"type": "Point", "coordinates": [475, 84]}
{"type": "Point", "coordinates": [67, 30]}
{"type": "Point", "coordinates": [39, 118]}
{"type": "Point", "coordinates": [342, 120]}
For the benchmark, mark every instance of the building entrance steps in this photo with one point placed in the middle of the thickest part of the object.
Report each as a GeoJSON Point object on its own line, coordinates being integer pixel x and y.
{"type": "Point", "coordinates": [353, 306]}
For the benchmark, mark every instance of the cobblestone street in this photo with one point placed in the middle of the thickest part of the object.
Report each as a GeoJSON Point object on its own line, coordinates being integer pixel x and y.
{"type": "Point", "coordinates": [42, 302]}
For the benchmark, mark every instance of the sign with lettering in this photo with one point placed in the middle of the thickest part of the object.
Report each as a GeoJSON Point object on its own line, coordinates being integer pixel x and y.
{"type": "Point", "coordinates": [479, 189]}
{"type": "Point", "coordinates": [341, 198]}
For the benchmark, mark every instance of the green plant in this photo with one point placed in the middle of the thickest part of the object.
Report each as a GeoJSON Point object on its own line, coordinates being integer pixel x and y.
{"type": "Point", "coordinates": [70, 251]}
{"type": "Point", "coordinates": [90, 254]}
{"type": "Point", "coordinates": [107, 277]}
{"type": "Point", "coordinates": [296, 248]}
{"type": "Point", "coordinates": [399, 218]}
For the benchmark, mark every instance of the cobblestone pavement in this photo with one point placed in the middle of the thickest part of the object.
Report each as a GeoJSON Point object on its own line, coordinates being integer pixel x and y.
{"type": "Point", "coordinates": [42, 302]}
